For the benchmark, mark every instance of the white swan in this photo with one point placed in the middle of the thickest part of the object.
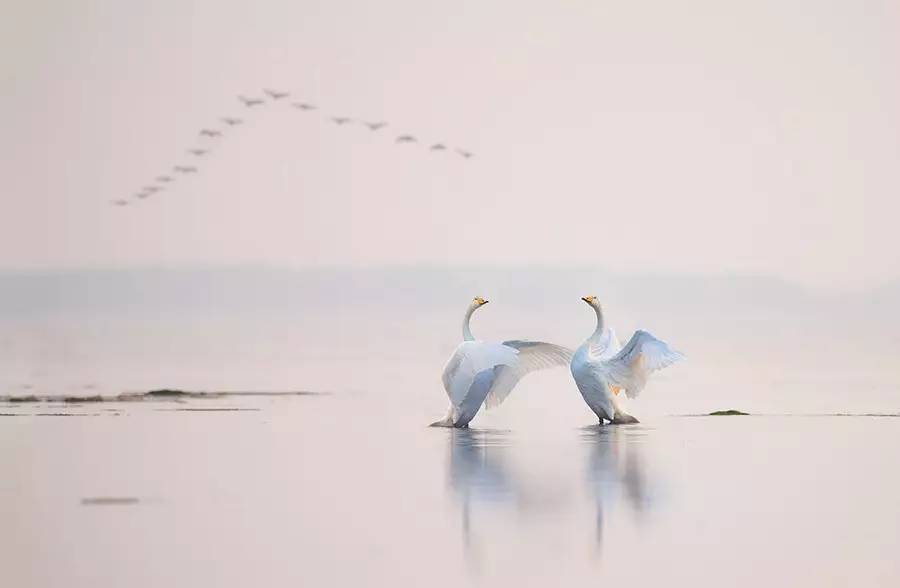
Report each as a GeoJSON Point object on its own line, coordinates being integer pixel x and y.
{"type": "Point", "coordinates": [603, 369]}
{"type": "Point", "coordinates": [485, 373]}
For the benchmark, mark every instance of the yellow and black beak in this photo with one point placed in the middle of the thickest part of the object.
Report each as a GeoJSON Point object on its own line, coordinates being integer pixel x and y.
{"type": "Point", "coordinates": [589, 299]}
{"type": "Point", "coordinates": [481, 301]}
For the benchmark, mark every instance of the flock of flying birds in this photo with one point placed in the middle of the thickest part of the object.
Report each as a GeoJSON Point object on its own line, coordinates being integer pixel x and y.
{"type": "Point", "coordinates": [160, 182]}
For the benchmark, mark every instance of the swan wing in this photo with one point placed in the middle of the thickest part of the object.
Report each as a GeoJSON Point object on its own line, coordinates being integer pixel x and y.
{"type": "Point", "coordinates": [606, 346]}
{"type": "Point", "coordinates": [641, 356]}
{"type": "Point", "coordinates": [532, 356]}
{"type": "Point", "coordinates": [470, 359]}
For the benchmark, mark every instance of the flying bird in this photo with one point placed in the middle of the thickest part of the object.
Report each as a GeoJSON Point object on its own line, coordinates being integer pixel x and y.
{"type": "Point", "coordinates": [405, 139]}
{"type": "Point", "coordinates": [120, 202]}
{"type": "Point", "coordinates": [276, 95]}
{"type": "Point", "coordinates": [376, 125]}
{"type": "Point", "coordinates": [210, 133]}
{"type": "Point", "coordinates": [464, 153]}
{"type": "Point", "coordinates": [231, 121]}
{"type": "Point", "coordinates": [479, 372]}
{"type": "Point", "coordinates": [303, 105]}
{"type": "Point", "coordinates": [164, 179]}
{"type": "Point", "coordinates": [602, 368]}
{"type": "Point", "coordinates": [250, 102]}
{"type": "Point", "coordinates": [340, 120]}
{"type": "Point", "coordinates": [438, 147]}
{"type": "Point", "coordinates": [143, 195]}
{"type": "Point", "coordinates": [150, 189]}
{"type": "Point", "coordinates": [198, 152]}
{"type": "Point", "coordinates": [185, 169]}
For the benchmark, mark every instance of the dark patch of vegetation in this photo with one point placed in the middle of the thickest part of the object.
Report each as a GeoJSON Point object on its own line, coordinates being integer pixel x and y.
{"type": "Point", "coordinates": [94, 398]}
{"type": "Point", "coordinates": [29, 398]}
{"type": "Point", "coordinates": [167, 393]}
{"type": "Point", "coordinates": [730, 412]}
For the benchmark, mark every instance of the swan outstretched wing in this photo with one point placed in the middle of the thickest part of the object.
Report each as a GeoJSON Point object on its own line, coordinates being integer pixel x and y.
{"type": "Point", "coordinates": [532, 356]}
{"type": "Point", "coordinates": [641, 356]}
{"type": "Point", "coordinates": [469, 360]}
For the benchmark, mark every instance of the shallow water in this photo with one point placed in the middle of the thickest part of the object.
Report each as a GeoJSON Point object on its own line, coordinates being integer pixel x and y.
{"type": "Point", "coordinates": [348, 486]}
{"type": "Point", "coordinates": [343, 490]}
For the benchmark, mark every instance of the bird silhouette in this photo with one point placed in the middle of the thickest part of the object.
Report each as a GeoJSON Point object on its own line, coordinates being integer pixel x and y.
{"type": "Point", "coordinates": [464, 153]}
{"type": "Point", "coordinates": [185, 169]}
{"type": "Point", "coordinates": [198, 152]}
{"type": "Point", "coordinates": [150, 189]}
{"type": "Point", "coordinates": [376, 125]}
{"type": "Point", "coordinates": [405, 139]}
{"type": "Point", "coordinates": [231, 121]}
{"type": "Point", "coordinates": [340, 120]}
{"type": "Point", "coordinates": [251, 102]}
{"type": "Point", "coordinates": [142, 195]}
{"type": "Point", "coordinates": [303, 105]}
{"type": "Point", "coordinates": [164, 179]}
{"type": "Point", "coordinates": [276, 95]}
{"type": "Point", "coordinates": [120, 202]}
{"type": "Point", "coordinates": [210, 133]}
{"type": "Point", "coordinates": [438, 147]}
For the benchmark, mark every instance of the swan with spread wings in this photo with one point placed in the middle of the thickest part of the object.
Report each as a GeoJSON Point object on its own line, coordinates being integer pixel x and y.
{"type": "Point", "coordinates": [603, 369]}
{"type": "Point", "coordinates": [480, 372]}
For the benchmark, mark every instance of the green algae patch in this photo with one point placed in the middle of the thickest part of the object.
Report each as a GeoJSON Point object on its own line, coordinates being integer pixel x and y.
{"type": "Point", "coordinates": [730, 412]}
{"type": "Point", "coordinates": [167, 393]}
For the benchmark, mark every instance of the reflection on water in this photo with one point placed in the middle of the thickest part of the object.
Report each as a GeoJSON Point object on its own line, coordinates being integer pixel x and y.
{"type": "Point", "coordinates": [489, 471]}
{"type": "Point", "coordinates": [478, 473]}
{"type": "Point", "coordinates": [616, 468]}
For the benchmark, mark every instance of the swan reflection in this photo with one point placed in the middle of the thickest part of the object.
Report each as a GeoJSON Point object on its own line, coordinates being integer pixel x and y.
{"type": "Point", "coordinates": [504, 484]}
{"type": "Point", "coordinates": [616, 469]}
{"type": "Point", "coordinates": [478, 473]}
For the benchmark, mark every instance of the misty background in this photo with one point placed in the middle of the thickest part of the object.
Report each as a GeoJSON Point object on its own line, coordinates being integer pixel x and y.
{"type": "Point", "coordinates": [722, 174]}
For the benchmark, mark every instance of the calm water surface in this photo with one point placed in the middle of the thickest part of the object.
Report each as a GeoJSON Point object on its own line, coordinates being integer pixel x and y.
{"type": "Point", "coordinates": [334, 491]}
{"type": "Point", "coordinates": [350, 488]}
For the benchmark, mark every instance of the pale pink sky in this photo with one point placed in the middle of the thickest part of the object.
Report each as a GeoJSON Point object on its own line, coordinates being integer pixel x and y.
{"type": "Point", "coordinates": [705, 136]}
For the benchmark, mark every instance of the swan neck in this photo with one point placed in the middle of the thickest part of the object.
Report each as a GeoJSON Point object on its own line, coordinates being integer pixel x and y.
{"type": "Point", "coordinates": [598, 332]}
{"type": "Point", "coordinates": [467, 332]}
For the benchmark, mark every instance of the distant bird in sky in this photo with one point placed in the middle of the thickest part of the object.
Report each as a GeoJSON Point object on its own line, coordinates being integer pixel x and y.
{"type": "Point", "coordinates": [250, 102]}
{"type": "Point", "coordinates": [269, 95]}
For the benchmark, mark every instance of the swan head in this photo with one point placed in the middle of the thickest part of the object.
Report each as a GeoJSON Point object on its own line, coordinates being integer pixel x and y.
{"type": "Point", "coordinates": [592, 301]}
{"type": "Point", "coordinates": [478, 302]}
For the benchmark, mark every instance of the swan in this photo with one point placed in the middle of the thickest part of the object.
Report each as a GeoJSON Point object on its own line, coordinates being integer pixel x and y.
{"type": "Point", "coordinates": [479, 372]}
{"type": "Point", "coordinates": [602, 368]}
